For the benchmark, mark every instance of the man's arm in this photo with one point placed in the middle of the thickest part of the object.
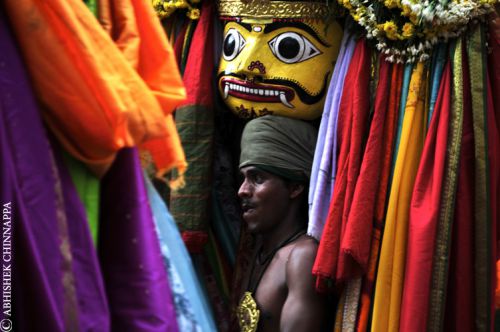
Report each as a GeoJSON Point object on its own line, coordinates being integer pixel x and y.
{"type": "Point", "coordinates": [304, 308]}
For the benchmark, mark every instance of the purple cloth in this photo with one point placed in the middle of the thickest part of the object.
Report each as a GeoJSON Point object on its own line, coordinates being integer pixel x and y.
{"type": "Point", "coordinates": [57, 283]}
{"type": "Point", "coordinates": [325, 156]}
{"type": "Point", "coordinates": [135, 276]}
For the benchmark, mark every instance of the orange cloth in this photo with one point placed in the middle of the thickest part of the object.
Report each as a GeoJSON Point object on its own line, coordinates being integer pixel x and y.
{"type": "Point", "coordinates": [94, 101]}
{"type": "Point", "coordinates": [147, 49]}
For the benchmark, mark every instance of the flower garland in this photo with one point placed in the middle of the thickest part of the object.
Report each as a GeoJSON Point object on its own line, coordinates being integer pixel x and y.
{"type": "Point", "coordinates": [407, 30]}
{"type": "Point", "coordinates": [165, 8]}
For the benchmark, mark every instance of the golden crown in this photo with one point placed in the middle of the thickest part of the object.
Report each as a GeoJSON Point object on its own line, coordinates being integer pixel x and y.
{"type": "Point", "coordinates": [266, 9]}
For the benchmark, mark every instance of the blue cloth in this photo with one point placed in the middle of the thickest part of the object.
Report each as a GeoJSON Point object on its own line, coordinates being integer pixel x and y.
{"type": "Point", "coordinates": [439, 59]}
{"type": "Point", "coordinates": [402, 106]}
{"type": "Point", "coordinates": [325, 157]}
{"type": "Point", "coordinates": [192, 309]}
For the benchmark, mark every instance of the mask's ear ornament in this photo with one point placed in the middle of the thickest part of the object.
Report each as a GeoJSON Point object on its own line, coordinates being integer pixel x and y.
{"type": "Point", "coordinates": [277, 57]}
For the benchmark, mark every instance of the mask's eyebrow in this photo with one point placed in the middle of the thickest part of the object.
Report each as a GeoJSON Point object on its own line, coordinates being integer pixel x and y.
{"type": "Point", "coordinates": [299, 25]}
{"type": "Point", "coordinates": [245, 25]}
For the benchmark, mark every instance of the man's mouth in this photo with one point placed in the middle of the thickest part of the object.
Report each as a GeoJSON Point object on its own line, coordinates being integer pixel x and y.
{"type": "Point", "coordinates": [247, 208]}
{"type": "Point", "coordinates": [257, 92]}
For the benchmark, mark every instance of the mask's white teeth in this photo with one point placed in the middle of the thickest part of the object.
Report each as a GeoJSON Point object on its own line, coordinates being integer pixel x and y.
{"type": "Point", "coordinates": [226, 90]}
{"type": "Point", "coordinates": [284, 101]}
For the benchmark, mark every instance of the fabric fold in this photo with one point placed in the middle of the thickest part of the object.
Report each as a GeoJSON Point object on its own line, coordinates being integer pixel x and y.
{"type": "Point", "coordinates": [424, 214]}
{"type": "Point", "coordinates": [325, 155]}
{"type": "Point", "coordinates": [352, 121]}
{"type": "Point", "coordinates": [130, 253]}
{"type": "Point", "coordinates": [388, 292]}
{"type": "Point", "coordinates": [94, 101]}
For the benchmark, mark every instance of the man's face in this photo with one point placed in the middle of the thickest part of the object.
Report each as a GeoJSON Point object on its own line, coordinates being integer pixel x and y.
{"type": "Point", "coordinates": [265, 199]}
{"type": "Point", "coordinates": [280, 68]}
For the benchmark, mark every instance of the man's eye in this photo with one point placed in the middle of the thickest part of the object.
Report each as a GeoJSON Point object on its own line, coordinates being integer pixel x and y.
{"type": "Point", "coordinates": [291, 47]}
{"type": "Point", "coordinates": [232, 45]}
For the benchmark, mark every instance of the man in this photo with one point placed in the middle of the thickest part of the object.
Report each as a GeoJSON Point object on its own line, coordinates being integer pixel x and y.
{"type": "Point", "coordinates": [276, 158]}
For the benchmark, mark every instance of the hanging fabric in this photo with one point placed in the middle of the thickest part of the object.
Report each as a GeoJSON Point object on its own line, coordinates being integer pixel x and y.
{"type": "Point", "coordinates": [352, 122]}
{"type": "Point", "coordinates": [424, 214]}
{"type": "Point", "coordinates": [390, 273]}
{"type": "Point", "coordinates": [379, 213]}
{"type": "Point", "coordinates": [130, 254]}
{"type": "Point", "coordinates": [325, 156]}
{"type": "Point", "coordinates": [94, 101]}
{"type": "Point", "coordinates": [54, 284]}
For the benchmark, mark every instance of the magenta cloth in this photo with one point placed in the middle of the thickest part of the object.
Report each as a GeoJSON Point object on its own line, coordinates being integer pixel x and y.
{"type": "Point", "coordinates": [48, 294]}
{"type": "Point", "coordinates": [136, 281]}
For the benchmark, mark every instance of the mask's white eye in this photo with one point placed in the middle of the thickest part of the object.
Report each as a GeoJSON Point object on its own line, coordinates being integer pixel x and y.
{"type": "Point", "coordinates": [233, 44]}
{"type": "Point", "coordinates": [291, 47]}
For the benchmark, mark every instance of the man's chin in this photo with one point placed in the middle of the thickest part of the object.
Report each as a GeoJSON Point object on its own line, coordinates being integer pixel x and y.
{"type": "Point", "coordinates": [252, 227]}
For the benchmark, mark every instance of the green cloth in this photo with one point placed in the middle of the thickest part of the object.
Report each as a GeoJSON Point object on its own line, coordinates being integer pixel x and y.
{"type": "Point", "coordinates": [282, 143]}
{"type": "Point", "coordinates": [88, 187]}
{"type": "Point", "coordinates": [190, 204]}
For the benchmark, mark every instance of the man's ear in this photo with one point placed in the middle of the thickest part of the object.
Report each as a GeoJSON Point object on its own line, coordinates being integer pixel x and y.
{"type": "Point", "coordinates": [295, 189]}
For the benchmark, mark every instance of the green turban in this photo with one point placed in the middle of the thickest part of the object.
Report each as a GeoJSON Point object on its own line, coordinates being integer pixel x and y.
{"type": "Point", "coordinates": [279, 145]}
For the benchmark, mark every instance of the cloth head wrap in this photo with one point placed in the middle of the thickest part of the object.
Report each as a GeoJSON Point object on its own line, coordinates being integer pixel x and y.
{"type": "Point", "coordinates": [279, 145]}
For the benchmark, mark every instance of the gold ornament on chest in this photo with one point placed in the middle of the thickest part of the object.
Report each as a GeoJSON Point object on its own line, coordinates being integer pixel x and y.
{"type": "Point", "coordinates": [248, 314]}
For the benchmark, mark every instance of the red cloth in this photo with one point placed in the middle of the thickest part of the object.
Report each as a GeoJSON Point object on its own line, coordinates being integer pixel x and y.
{"type": "Point", "coordinates": [355, 244]}
{"type": "Point", "coordinates": [388, 143]}
{"type": "Point", "coordinates": [353, 112]}
{"type": "Point", "coordinates": [424, 214]}
{"type": "Point", "coordinates": [493, 120]}
{"type": "Point", "coordinates": [460, 307]}
{"type": "Point", "coordinates": [493, 123]}
{"type": "Point", "coordinates": [494, 64]}
{"type": "Point", "coordinates": [197, 76]}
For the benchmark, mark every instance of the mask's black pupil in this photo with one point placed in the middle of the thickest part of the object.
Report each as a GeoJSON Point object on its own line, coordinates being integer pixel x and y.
{"type": "Point", "coordinates": [229, 44]}
{"type": "Point", "coordinates": [289, 48]}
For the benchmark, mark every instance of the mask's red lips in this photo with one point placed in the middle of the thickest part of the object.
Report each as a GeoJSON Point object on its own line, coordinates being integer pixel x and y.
{"type": "Point", "coordinates": [257, 92]}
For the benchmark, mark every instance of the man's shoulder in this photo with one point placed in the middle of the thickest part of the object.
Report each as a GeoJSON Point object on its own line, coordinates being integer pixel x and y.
{"type": "Point", "coordinates": [300, 263]}
{"type": "Point", "coordinates": [303, 251]}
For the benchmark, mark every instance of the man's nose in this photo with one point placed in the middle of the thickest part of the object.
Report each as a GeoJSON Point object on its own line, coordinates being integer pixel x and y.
{"type": "Point", "coordinates": [244, 190]}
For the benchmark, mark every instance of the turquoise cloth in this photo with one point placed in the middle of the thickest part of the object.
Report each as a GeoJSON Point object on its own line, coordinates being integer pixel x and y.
{"type": "Point", "coordinates": [192, 309]}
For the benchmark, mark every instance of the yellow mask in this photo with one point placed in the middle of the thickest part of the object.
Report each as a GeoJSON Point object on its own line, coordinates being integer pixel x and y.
{"type": "Point", "coordinates": [280, 68]}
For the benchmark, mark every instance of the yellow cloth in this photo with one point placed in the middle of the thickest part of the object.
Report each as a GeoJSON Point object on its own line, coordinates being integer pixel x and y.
{"type": "Point", "coordinates": [96, 100]}
{"type": "Point", "coordinates": [390, 276]}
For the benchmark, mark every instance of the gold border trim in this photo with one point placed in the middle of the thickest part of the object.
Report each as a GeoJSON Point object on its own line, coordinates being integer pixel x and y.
{"type": "Point", "coordinates": [273, 9]}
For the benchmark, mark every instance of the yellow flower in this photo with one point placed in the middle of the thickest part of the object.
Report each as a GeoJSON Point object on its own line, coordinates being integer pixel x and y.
{"type": "Point", "coordinates": [391, 3]}
{"type": "Point", "coordinates": [193, 14]}
{"type": "Point", "coordinates": [355, 17]}
{"type": "Point", "coordinates": [181, 4]}
{"type": "Point", "coordinates": [408, 30]}
{"type": "Point", "coordinates": [414, 18]}
{"type": "Point", "coordinates": [406, 11]}
{"type": "Point", "coordinates": [346, 4]}
{"type": "Point", "coordinates": [391, 30]}
{"type": "Point", "coordinates": [169, 6]}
